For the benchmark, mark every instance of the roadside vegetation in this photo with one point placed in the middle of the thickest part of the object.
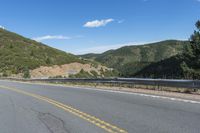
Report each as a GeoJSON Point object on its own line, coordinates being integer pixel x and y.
{"type": "Point", "coordinates": [129, 87]}
{"type": "Point", "coordinates": [94, 74]}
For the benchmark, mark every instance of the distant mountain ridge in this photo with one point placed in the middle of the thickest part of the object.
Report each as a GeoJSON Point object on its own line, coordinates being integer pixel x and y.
{"type": "Point", "coordinates": [129, 60]}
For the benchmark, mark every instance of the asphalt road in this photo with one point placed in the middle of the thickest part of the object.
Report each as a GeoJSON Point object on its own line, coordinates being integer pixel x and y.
{"type": "Point", "coordinates": [34, 108]}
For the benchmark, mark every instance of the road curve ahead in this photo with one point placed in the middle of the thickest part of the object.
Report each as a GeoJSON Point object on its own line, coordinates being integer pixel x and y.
{"type": "Point", "coordinates": [34, 108]}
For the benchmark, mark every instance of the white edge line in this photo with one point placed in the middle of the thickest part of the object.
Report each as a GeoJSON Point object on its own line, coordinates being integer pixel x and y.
{"type": "Point", "coordinates": [116, 91]}
{"type": "Point", "coordinates": [144, 95]}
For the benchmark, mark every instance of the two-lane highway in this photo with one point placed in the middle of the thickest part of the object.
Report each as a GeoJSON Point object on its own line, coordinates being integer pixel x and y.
{"type": "Point", "coordinates": [34, 108]}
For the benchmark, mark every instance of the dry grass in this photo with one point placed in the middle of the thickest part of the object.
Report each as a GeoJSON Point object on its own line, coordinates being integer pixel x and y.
{"type": "Point", "coordinates": [132, 87]}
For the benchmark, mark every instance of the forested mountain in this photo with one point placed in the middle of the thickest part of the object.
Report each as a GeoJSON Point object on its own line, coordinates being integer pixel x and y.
{"type": "Point", "coordinates": [165, 59]}
{"type": "Point", "coordinates": [129, 60]}
{"type": "Point", "coordinates": [184, 66]}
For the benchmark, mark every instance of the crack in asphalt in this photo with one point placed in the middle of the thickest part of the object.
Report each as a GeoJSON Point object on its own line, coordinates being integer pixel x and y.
{"type": "Point", "coordinates": [53, 123]}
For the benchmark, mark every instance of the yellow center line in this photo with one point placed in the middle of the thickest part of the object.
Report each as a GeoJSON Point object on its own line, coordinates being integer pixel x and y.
{"type": "Point", "coordinates": [92, 119]}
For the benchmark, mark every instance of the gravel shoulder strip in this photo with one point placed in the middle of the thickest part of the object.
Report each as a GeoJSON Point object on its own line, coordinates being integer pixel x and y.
{"type": "Point", "coordinates": [187, 96]}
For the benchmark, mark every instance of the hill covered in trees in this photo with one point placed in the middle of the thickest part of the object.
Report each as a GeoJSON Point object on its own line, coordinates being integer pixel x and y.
{"type": "Point", "coordinates": [183, 66]}
{"type": "Point", "coordinates": [18, 53]}
{"type": "Point", "coordinates": [165, 59]}
{"type": "Point", "coordinates": [129, 60]}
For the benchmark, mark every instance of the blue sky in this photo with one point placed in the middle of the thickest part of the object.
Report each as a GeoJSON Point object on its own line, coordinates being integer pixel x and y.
{"type": "Point", "coordinates": [85, 26]}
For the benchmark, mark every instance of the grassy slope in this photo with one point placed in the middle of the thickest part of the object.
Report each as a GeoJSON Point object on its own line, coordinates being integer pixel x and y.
{"type": "Point", "coordinates": [131, 59]}
{"type": "Point", "coordinates": [17, 52]}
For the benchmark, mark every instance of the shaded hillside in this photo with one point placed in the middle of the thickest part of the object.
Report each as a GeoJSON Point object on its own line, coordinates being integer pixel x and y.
{"type": "Point", "coordinates": [169, 68]}
{"type": "Point", "coordinates": [182, 66]}
{"type": "Point", "coordinates": [129, 60]}
{"type": "Point", "coordinates": [176, 67]}
{"type": "Point", "coordinates": [18, 53]}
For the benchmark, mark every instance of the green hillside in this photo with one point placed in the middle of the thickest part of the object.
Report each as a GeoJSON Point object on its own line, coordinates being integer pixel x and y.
{"type": "Point", "coordinates": [182, 66]}
{"type": "Point", "coordinates": [177, 67]}
{"type": "Point", "coordinates": [18, 53]}
{"type": "Point", "coordinates": [169, 68]}
{"type": "Point", "coordinates": [129, 60]}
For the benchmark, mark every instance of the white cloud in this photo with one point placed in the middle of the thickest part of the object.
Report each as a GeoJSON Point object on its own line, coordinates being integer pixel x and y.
{"type": "Point", "coordinates": [103, 48]}
{"type": "Point", "coordinates": [50, 37]}
{"type": "Point", "coordinates": [2, 27]}
{"type": "Point", "coordinates": [98, 23]}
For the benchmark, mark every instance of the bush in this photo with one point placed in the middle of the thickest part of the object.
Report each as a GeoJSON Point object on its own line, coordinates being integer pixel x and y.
{"type": "Point", "coordinates": [26, 73]}
{"type": "Point", "coordinates": [5, 74]}
{"type": "Point", "coordinates": [94, 73]}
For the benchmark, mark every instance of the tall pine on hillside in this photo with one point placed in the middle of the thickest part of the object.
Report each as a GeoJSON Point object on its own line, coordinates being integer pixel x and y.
{"type": "Point", "coordinates": [191, 63]}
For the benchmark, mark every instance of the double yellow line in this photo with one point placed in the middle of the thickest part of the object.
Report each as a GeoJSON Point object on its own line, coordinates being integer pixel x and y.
{"type": "Point", "coordinates": [92, 119]}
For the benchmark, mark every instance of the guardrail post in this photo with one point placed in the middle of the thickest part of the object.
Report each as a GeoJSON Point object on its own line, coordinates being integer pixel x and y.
{"type": "Point", "coordinates": [194, 86]}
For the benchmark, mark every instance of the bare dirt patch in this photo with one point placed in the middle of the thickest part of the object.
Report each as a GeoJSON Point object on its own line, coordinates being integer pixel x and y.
{"type": "Point", "coordinates": [64, 70]}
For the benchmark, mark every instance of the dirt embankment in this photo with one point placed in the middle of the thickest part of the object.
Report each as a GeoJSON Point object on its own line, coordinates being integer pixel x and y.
{"type": "Point", "coordinates": [65, 70]}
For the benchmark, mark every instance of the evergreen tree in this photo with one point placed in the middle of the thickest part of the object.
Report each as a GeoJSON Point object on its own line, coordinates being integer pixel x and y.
{"type": "Point", "coordinates": [48, 61]}
{"type": "Point", "coordinates": [26, 73]}
{"type": "Point", "coordinates": [191, 64]}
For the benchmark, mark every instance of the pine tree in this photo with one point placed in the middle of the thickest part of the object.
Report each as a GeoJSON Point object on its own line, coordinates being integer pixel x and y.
{"type": "Point", "coordinates": [26, 73]}
{"type": "Point", "coordinates": [191, 63]}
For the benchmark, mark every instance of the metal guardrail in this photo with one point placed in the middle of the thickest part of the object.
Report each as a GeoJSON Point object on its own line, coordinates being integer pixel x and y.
{"type": "Point", "coordinates": [193, 84]}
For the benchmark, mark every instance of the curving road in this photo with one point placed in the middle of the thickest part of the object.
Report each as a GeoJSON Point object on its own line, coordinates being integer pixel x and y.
{"type": "Point", "coordinates": [34, 108]}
